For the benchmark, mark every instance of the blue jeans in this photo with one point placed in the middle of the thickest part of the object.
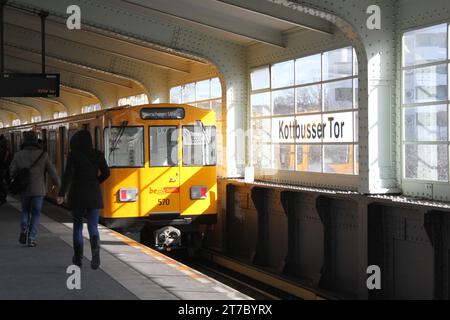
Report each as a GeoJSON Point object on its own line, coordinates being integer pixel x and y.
{"type": "Point", "coordinates": [92, 216]}
{"type": "Point", "coordinates": [31, 212]}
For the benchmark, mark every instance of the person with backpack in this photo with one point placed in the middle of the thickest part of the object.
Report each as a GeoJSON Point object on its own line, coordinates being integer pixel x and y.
{"type": "Point", "coordinates": [5, 160]}
{"type": "Point", "coordinates": [85, 170]}
{"type": "Point", "coordinates": [28, 171]}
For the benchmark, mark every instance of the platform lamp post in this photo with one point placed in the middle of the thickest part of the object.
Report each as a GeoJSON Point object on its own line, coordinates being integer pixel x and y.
{"type": "Point", "coordinates": [43, 15]}
{"type": "Point", "coordinates": [2, 54]}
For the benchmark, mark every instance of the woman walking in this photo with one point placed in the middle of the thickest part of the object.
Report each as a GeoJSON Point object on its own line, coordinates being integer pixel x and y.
{"type": "Point", "coordinates": [85, 170]}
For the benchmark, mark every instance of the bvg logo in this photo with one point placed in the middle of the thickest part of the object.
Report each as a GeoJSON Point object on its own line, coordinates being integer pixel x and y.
{"type": "Point", "coordinates": [155, 191]}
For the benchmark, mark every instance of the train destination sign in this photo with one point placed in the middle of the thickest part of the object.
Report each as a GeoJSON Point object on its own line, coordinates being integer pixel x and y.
{"type": "Point", "coordinates": [29, 85]}
{"type": "Point", "coordinates": [337, 127]}
{"type": "Point", "coordinates": [162, 113]}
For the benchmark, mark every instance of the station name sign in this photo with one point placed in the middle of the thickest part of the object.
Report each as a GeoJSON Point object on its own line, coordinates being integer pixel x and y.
{"type": "Point", "coordinates": [29, 85]}
{"type": "Point", "coordinates": [337, 127]}
{"type": "Point", "coordinates": [162, 113]}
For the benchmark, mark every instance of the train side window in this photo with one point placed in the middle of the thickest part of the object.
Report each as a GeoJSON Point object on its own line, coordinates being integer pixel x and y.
{"type": "Point", "coordinates": [199, 145]}
{"type": "Point", "coordinates": [163, 146]}
{"type": "Point", "coordinates": [17, 141]}
{"type": "Point", "coordinates": [97, 138]}
{"type": "Point", "coordinates": [124, 147]}
{"type": "Point", "coordinates": [52, 146]}
{"type": "Point", "coordinates": [71, 133]}
{"type": "Point", "coordinates": [44, 139]}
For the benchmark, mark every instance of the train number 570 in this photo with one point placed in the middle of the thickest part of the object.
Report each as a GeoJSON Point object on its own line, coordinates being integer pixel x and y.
{"type": "Point", "coordinates": [163, 202]}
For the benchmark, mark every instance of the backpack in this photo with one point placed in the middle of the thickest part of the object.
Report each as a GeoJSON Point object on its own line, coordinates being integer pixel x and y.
{"type": "Point", "coordinates": [22, 178]}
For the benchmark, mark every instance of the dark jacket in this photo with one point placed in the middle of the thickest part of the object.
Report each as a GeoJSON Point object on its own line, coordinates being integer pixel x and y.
{"type": "Point", "coordinates": [5, 161]}
{"type": "Point", "coordinates": [82, 179]}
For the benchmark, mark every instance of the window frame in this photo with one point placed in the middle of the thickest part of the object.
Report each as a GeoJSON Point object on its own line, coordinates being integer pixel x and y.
{"type": "Point", "coordinates": [182, 148]}
{"type": "Point", "coordinates": [52, 155]}
{"type": "Point", "coordinates": [341, 180]}
{"type": "Point", "coordinates": [411, 185]}
{"type": "Point", "coordinates": [143, 148]}
{"type": "Point", "coordinates": [177, 127]}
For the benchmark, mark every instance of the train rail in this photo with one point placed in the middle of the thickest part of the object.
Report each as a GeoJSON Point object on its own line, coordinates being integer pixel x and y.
{"type": "Point", "coordinates": [284, 286]}
{"type": "Point", "coordinates": [251, 280]}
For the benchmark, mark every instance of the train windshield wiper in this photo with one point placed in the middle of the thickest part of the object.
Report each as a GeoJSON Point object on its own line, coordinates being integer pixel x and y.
{"type": "Point", "coordinates": [118, 138]}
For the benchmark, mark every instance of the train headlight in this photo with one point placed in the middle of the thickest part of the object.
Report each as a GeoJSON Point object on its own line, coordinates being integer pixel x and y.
{"type": "Point", "coordinates": [128, 195]}
{"type": "Point", "coordinates": [199, 192]}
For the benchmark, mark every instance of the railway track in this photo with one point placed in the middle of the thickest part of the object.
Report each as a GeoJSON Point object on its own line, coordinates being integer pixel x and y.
{"type": "Point", "coordinates": [255, 282]}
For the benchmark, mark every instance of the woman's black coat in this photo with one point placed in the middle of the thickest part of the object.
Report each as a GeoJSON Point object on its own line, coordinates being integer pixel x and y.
{"type": "Point", "coordinates": [84, 173]}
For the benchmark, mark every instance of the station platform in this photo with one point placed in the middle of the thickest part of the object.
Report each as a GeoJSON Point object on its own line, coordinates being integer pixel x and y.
{"type": "Point", "coordinates": [129, 270]}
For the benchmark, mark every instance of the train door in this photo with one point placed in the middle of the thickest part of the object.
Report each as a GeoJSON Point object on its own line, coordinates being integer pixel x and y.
{"type": "Point", "coordinates": [164, 177]}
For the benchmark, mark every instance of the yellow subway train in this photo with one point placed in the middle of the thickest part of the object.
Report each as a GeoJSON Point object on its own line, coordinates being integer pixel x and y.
{"type": "Point", "coordinates": [163, 167]}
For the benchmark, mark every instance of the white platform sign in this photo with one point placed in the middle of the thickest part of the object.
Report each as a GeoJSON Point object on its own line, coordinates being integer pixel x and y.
{"type": "Point", "coordinates": [336, 127]}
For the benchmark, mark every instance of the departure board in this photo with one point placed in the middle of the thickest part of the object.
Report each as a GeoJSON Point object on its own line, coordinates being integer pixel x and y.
{"type": "Point", "coordinates": [29, 85]}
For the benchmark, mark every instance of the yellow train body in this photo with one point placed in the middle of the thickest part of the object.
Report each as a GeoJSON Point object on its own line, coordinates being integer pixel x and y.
{"type": "Point", "coordinates": [165, 190]}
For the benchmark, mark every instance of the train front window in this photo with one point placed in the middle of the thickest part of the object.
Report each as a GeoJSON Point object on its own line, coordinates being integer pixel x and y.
{"type": "Point", "coordinates": [124, 146]}
{"type": "Point", "coordinates": [199, 145]}
{"type": "Point", "coordinates": [163, 146]}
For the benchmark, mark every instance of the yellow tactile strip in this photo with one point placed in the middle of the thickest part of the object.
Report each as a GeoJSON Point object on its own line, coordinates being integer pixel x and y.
{"type": "Point", "coordinates": [194, 274]}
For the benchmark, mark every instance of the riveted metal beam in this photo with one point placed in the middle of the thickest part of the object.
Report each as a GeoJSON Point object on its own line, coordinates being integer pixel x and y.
{"type": "Point", "coordinates": [217, 20]}
{"type": "Point", "coordinates": [77, 92]}
{"type": "Point", "coordinates": [274, 11]}
{"type": "Point", "coordinates": [101, 42]}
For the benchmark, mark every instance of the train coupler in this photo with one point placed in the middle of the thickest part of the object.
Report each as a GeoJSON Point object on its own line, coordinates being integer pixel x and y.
{"type": "Point", "coordinates": [167, 238]}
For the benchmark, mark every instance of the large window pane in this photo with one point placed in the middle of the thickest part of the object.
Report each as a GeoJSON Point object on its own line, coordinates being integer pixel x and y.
{"type": "Point", "coordinates": [204, 105]}
{"type": "Point", "coordinates": [163, 146]}
{"type": "Point", "coordinates": [309, 158]}
{"type": "Point", "coordinates": [216, 88]}
{"type": "Point", "coordinates": [202, 90]}
{"type": "Point", "coordinates": [425, 84]}
{"type": "Point", "coordinates": [260, 103]}
{"type": "Point", "coordinates": [199, 145]}
{"type": "Point", "coordinates": [338, 159]}
{"type": "Point", "coordinates": [356, 148]}
{"type": "Point", "coordinates": [284, 157]}
{"type": "Point", "coordinates": [308, 69]}
{"type": "Point", "coordinates": [188, 92]}
{"type": "Point", "coordinates": [261, 130]}
{"type": "Point", "coordinates": [216, 105]}
{"type": "Point", "coordinates": [309, 99]}
{"type": "Point", "coordinates": [427, 123]}
{"type": "Point", "coordinates": [262, 155]}
{"type": "Point", "coordinates": [355, 63]}
{"type": "Point", "coordinates": [427, 162]}
{"type": "Point", "coordinates": [124, 146]}
{"type": "Point", "coordinates": [175, 94]}
{"type": "Point", "coordinates": [425, 45]}
{"type": "Point", "coordinates": [337, 63]}
{"type": "Point", "coordinates": [338, 95]}
{"type": "Point", "coordinates": [260, 79]}
{"type": "Point", "coordinates": [283, 74]}
{"type": "Point", "coordinates": [283, 101]}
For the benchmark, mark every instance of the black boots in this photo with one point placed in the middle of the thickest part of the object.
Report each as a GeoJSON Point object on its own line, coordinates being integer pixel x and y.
{"type": "Point", "coordinates": [23, 238]}
{"type": "Point", "coordinates": [95, 247]}
{"type": "Point", "coordinates": [78, 255]}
